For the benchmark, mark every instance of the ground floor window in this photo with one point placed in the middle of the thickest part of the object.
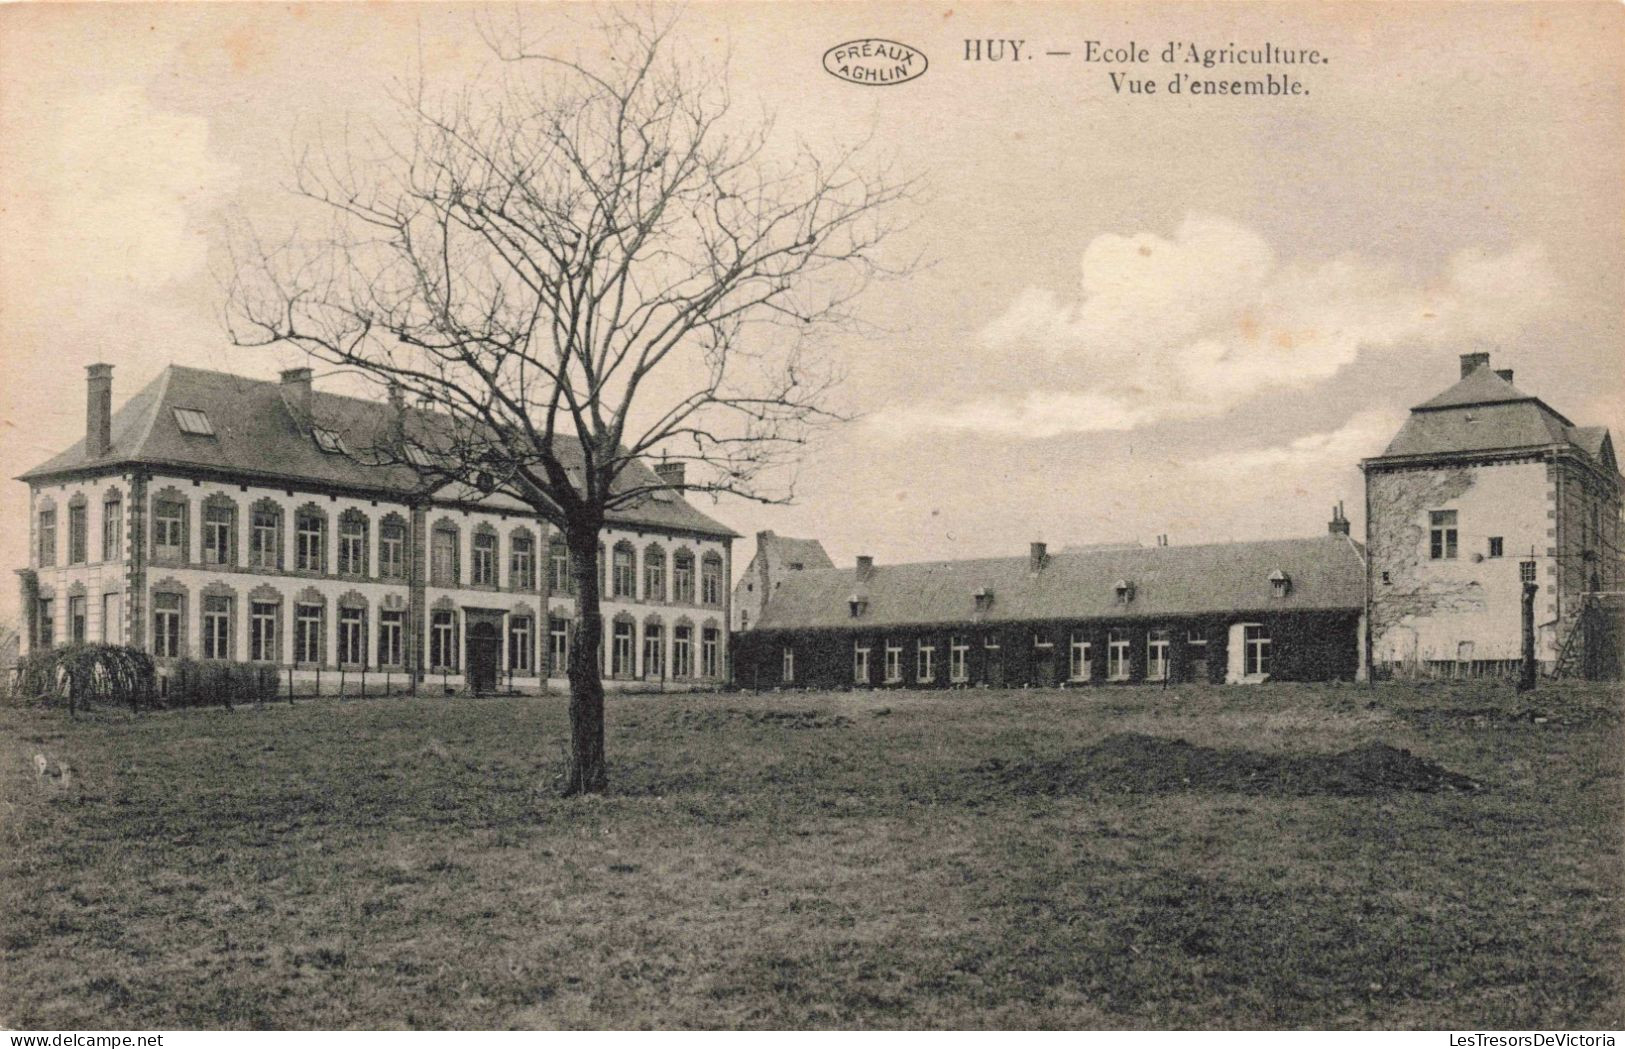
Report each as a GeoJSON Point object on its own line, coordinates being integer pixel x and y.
{"type": "Point", "coordinates": [558, 645]}
{"type": "Point", "coordinates": [307, 634]}
{"type": "Point", "coordinates": [958, 660]}
{"type": "Point", "coordinates": [621, 651]}
{"type": "Point", "coordinates": [894, 663]}
{"type": "Point", "coordinates": [711, 652]}
{"type": "Point", "coordinates": [519, 644]}
{"type": "Point", "coordinates": [112, 618]}
{"type": "Point", "coordinates": [391, 632]}
{"type": "Point", "coordinates": [166, 625]}
{"type": "Point", "coordinates": [682, 651]}
{"type": "Point", "coordinates": [925, 668]}
{"type": "Point", "coordinates": [217, 627]}
{"type": "Point", "coordinates": [1257, 647]}
{"type": "Point", "coordinates": [788, 669]}
{"type": "Point", "coordinates": [76, 619]}
{"type": "Point", "coordinates": [860, 664]}
{"type": "Point", "coordinates": [352, 636]}
{"type": "Point", "coordinates": [443, 640]}
{"type": "Point", "coordinates": [1156, 655]}
{"type": "Point", "coordinates": [654, 650]}
{"type": "Point", "coordinates": [1079, 649]}
{"type": "Point", "coordinates": [262, 639]}
{"type": "Point", "coordinates": [1117, 662]}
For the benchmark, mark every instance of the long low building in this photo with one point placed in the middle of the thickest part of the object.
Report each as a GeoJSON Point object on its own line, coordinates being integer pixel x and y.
{"type": "Point", "coordinates": [1226, 612]}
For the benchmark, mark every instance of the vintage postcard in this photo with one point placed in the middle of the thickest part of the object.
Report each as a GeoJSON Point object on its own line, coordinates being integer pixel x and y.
{"type": "Point", "coordinates": [784, 516]}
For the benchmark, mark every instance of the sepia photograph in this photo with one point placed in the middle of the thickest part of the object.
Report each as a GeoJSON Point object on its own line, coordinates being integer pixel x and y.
{"type": "Point", "coordinates": [812, 516]}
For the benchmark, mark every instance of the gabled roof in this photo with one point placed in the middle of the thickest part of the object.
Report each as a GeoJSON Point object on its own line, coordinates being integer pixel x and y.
{"type": "Point", "coordinates": [256, 435]}
{"type": "Point", "coordinates": [1485, 413]}
{"type": "Point", "coordinates": [1326, 572]}
{"type": "Point", "coordinates": [783, 550]}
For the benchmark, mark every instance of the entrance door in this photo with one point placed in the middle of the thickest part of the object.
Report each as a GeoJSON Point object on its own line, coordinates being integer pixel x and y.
{"type": "Point", "coordinates": [484, 653]}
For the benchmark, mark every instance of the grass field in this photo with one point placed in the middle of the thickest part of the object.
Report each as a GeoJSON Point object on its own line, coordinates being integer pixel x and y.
{"type": "Point", "coordinates": [812, 860]}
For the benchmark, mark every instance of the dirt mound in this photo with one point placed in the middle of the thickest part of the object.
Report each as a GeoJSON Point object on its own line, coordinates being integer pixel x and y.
{"type": "Point", "coordinates": [1132, 763]}
{"type": "Point", "coordinates": [707, 720]}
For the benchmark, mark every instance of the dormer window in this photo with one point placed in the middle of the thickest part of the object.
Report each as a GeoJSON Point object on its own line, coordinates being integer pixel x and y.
{"type": "Point", "coordinates": [416, 455]}
{"type": "Point", "coordinates": [1125, 591]}
{"type": "Point", "coordinates": [983, 599]}
{"type": "Point", "coordinates": [858, 605]}
{"type": "Point", "coordinates": [329, 442]}
{"type": "Point", "coordinates": [1280, 583]}
{"type": "Point", "coordinates": [193, 421]}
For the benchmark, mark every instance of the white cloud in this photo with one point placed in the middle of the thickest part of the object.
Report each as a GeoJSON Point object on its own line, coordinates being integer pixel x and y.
{"type": "Point", "coordinates": [1192, 326]}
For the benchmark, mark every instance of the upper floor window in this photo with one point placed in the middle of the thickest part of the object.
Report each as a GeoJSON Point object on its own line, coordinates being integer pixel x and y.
{"type": "Point", "coordinates": [558, 568]}
{"type": "Point", "coordinates": [1442, 535]}
{"type": "Point", "coordinates": [78, 523]}
{"type": "Point", "coordinates": [1497, 547]}
{"type": "Point", "coordinates": [682, 577]}
{"type": "Point", "coordinates": [219, 535]}
{"type": "Point", "coordinates": [310, 534]}
{"type": "Point", "coordinates": [485, 559]}
{"type": "Point", "coordinates": [265, 538]}
{"type": "Point", "coordinates": [654, 574]}
{"type": "Point", "coordinates": [392, 549]}
{"type": "Point", "coordinates": [623, 576]}
{"type": "Point", "coordinates": [443, 557]}
{"type": "Point", "coordinates": [112, 528]}
{"type": "Point", "coordinates": [711, 580]}
{"type": "Point", "coordinates": [522, 563]}
{"type": "Point", "coordinates": [47, 538]}
{"type": "Point", "coordinates": [168, 528]}
{"type": "Point", "coordinates": [353, 546]}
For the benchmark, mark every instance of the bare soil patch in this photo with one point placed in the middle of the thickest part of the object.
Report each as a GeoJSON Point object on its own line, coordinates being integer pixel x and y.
{"type": "Point", "coordinates": [1134, 763]}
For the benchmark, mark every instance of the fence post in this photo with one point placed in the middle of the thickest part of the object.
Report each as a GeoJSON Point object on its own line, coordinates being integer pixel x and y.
{"type": "Point", "coordinates": [341, 680]}
{"type": "Point", "coordinates": [290, 686]}
{"type": "Point", "coordinates": [363, 681]}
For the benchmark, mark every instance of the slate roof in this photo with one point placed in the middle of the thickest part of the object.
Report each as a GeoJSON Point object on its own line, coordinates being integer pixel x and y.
{"type": "Point", "coordinates": [1326, 572]}
{"type": "Point", "coordinates": [257, 436]}
{"type": "Point", "coordinates": [1485, 413]}
{"type": "Point", "coordinates": [808, 553]}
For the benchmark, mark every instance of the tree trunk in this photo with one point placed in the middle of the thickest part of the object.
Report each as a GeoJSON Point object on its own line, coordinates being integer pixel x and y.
{"type": "Point", "coordinates": [588, 772]}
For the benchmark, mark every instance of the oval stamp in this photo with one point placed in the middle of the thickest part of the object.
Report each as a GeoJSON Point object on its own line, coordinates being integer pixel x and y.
{"type": "Point", "coordinates": [874, 62]}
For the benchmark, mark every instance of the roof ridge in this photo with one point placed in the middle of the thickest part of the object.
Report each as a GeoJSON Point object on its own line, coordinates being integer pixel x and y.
{"type": "Point", "coordinates": [1096, 553]}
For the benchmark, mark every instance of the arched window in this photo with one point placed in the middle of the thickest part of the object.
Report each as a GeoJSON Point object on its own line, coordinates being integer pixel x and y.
{"type": "Point", "coordinates": [113, 525]}
{"type": "Point", "coordinates": [219, 532]}
{"type": "Point", "coordinates": [310, 539]}
{"type": "Point", "coordinates": [623, 578]}
{"type": "Point", "coordinates": [352, 629]}
{"type": "Point", "coordinates": [168, 619]}
{"type": "Point", "coordinates": [484, 567]}
{"type": "Point", "coordinates": [682, 577]}
{"type": "Point", "coordinates": [265, 535]}
{"type": "Point", "coordinates": [353, 543]}
{"type": "Point", "coordinates": [682, 649]}
{"type": "Point", "coordinates": [443, 637]}
{"type": "Point", "coordinates": [443, 567]}
{"type": "Point", "coordinates": [169, 520]}
{"type": "Point", "coordinates": [310, 628]}
{"type": "Point", "coordinates": [654, 648]}
{"type": "Point", "coordinates": [558, 567]}
{"type": "Point", "coordinates": [522, 560]}
{"type": "Point", "coordinates": [392, 547]}
{"type": "Point", "coordinates": [265, 625]}
{"type": "Point", "coordinates": [654, 573]}
{"type": "Point", "coordinates": [711, 580]}
{"type": "Point", "coordinates": [219, 621]}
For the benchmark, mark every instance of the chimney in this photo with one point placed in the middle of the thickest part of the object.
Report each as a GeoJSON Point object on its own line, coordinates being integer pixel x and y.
{"type": "Point", "coordinates": [296, 393]}
{"type": "Point", "coordinates": [1471, 362]}
{"type": "Point", "coordinates": [1339, 524]}
{"type": "Point", "coordinates": [1036, 557]}
{"type": "Point", "coordinates": [671, 473]}
{"type": "Point", "coordinates": [866, 567]}
{"type": "Point", "coordinates": [397, 413]}
{"type": "Point", "coordinates": [1505, 374]}
{"type": "Point", "coordinates": [98, 410]}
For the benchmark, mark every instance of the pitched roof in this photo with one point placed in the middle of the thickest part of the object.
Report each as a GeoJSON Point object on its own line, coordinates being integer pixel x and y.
{"type": "Point", "coordinates": [1325, 572]}
{"type": "Point", "coordinates": [781, 549]}
{"type": "Point", "coordinates": [1485, 413]}
{"type": "Point", "coordinates": [257, 435]}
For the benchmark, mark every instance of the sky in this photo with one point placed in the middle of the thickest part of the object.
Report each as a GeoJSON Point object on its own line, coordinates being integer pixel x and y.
{"type": "Point", "coordinates": [1134, 315]}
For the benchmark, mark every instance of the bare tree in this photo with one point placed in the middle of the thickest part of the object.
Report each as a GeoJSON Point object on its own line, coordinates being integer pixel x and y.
{"type": "Point", "coordinates": [578, 264]}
